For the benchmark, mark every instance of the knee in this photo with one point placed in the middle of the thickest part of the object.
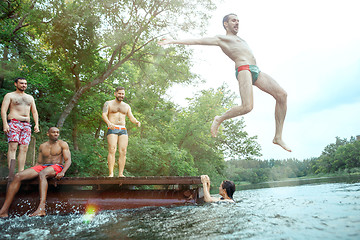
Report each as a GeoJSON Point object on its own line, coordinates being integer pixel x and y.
{"type": "Point", "coordinates": [23, 148]}
{"type": "Point", "coordinates": [12, 148]}
{"type": "Point", "coordinates": [247, 108]}
{"type": "Point", "coordinates": [112, 149]}
{"type": "Point", "coordinates": [281, 96]}
{"type": "Point", "coordinates": [17, 177]}
{"type": "Point", "coordinates": [122, 150]}
{"type": "Point", "coordinates": [42, 176]}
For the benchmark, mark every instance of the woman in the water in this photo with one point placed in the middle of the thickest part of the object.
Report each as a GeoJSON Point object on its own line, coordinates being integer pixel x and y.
{"type": "Point", "coordinates": [226, 190]}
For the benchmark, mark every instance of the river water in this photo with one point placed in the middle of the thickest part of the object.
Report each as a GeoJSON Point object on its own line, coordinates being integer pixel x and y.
{"type": "Point", "coordinates": [323, 211]}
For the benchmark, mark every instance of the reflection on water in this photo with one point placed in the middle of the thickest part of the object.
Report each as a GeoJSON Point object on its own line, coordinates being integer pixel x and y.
{"type": "Point", "coordinates": [327, 211]}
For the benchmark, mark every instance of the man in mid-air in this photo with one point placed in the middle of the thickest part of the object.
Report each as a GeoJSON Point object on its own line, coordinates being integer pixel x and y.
{"type": "Point", "coordinates": [247, 74]}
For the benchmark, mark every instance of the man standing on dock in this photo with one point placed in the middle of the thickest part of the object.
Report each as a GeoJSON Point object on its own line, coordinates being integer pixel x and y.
{"type": "Point", "coordinates": [247, 74]}
{"type": "Point", "coordinates": [114, 113]}
{"type": "Point", "coordinates": [16, 124]}
{"type": "Point", "coordinates": [50, 164]}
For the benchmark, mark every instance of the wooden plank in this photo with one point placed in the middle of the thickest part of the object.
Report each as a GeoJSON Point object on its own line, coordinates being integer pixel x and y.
{"type": "Point", "coordinates": [146, 180]}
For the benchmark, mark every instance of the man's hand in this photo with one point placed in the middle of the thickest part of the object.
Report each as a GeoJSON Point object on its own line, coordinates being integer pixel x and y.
{"type": "Point", "coordinates": [36, 129]}
{"type": "Point", "coordinates": [6, 128]}
{"type": "Point", "coordinates": [205, 179]}
{"type": "Point", "coordinates": [111, 126]}
{"type": "Point", "coordinates": [165, 41]}
{"type": "Point", "coordinates": [60, 175]}
{"type": "Point", "coordinates": [138, 124]}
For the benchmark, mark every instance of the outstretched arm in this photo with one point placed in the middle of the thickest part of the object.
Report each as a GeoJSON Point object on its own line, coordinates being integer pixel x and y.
{"type": "Point", "coordinates": [206, 186]}
{"type": "Point", "coordinates": [199, 41]}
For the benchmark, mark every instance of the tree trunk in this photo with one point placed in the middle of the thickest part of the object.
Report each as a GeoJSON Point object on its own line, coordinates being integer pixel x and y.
{"type": "Point", "coordinates": [3, 66]}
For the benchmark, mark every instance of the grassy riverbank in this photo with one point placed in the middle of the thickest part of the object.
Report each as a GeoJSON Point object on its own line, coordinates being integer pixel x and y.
{"type": "Point", "coordinates": [314, 179]}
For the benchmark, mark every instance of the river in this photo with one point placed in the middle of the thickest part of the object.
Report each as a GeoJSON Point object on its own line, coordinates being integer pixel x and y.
{"type": "Point", "coordinates": [318, 211]}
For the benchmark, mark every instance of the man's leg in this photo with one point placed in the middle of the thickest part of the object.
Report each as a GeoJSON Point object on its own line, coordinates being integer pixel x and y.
{"type": "Point", "coordinates": [22, 156]}
{"type": "Point", "coordinates": [112, 143]}
{"type": "Point", "coordinates": [246, 94]}
{"type": "Point", "coordinates": [11, 154]}
{"type": "Point", "coordinates": [123, 143]}
{"type": "Point", "coordinates": [269, 85]}
{"type": "Point", "coordinates": [43, 187]}
{"type": "Point", "coordinates": [14, 188]}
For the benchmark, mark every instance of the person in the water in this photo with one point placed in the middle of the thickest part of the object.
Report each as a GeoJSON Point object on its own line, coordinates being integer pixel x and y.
{"type": "Point", "coordinates": [54, 160]}
{"type": "Point", "coordinates": [226, 190]}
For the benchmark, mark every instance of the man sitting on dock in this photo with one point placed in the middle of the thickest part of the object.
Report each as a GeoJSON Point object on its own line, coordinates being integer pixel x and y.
{"type": "Point", "coordinates": [50, 164]}
{"type": "Point", "coordinates": [226, 190]}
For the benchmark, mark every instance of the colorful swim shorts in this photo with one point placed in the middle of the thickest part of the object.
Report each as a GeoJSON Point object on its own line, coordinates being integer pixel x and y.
{"type": "Point", "coordinates": [253, 69]}
{"type": "Point", "coordinates": [57, 167]}
{"type": "Point", "coordinates": [119, 130]}
{"type": "Point", "coordinates": [20, 132]}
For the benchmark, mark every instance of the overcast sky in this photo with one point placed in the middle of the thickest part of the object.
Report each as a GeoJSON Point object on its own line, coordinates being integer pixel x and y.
{"type": "Point", "coordinates": [312, 49]}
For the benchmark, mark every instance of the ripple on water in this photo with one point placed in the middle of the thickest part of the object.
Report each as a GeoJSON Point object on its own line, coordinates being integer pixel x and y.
{"type": "Point", "coordinates": [329, 211]}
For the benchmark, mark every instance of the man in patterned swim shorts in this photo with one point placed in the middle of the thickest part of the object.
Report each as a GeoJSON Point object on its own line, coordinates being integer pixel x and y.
{"type": "Point", "coordinates": [114, 113]}
{"type": "Point", "coordinates": [16, 124]}
{"type": "Point", "coordinates": [54, 160]}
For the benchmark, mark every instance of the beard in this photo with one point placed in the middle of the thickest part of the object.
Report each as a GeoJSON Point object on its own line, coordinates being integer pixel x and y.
{"type": "Point", "coordinates": [21, 89]}
{"type": "Point", "coordinates": [119, 99]}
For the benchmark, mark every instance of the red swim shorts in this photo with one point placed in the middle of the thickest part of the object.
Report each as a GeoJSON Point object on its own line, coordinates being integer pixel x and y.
{"type": "Point", "coordinates": [19, 132]}
{"type": "Point", "coordinates": [57, 167]}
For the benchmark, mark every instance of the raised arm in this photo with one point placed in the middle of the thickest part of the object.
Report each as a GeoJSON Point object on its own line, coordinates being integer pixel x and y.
{"type": "Point", "coordinates": [132, 118]}
{"type": "Point", "coordinates": [206, 186]}
{"type": "Point", "coordinates": [215, 41]}
{"type": "Point", "coordinates": [4, 108]}
{"type": "Point", "coordinates": [35, 116]}
{"type": "Point", "coordinates": [67, 158]}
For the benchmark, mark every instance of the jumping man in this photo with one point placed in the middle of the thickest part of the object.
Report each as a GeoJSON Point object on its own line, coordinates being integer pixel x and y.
{"type": "Point", "coordinates": [247, 74]}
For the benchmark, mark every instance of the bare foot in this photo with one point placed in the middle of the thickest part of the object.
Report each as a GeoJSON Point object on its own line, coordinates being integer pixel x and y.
{"type": "Point", "coordinates": [4, 215]}
{"type": "Point", "coordinates": [281, 144]}
{"type": "Point", "coordinates": [111, 175]}
{"type": "Point", "coordinates": [215, 126]}
{"type": "Point", "coordinates": [121, 175]}
{"type": "Point", "coordinates": [38, 213]}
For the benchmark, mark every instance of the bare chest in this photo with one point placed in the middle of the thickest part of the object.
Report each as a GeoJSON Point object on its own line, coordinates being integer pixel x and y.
{"type": "Point", "coordinates": [52, 151]}
{"type": "Point", "coordinates": [21, 100]}
{"type": "Point", "coordinates": [118, 108]}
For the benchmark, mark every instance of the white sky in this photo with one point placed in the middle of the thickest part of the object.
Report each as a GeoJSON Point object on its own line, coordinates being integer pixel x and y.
{"type": "Point", "coordinates": [312, 49]}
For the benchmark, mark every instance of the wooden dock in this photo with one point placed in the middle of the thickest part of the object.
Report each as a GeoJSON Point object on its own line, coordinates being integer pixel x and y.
{"type": "Point", "coordinates": [73, 195]}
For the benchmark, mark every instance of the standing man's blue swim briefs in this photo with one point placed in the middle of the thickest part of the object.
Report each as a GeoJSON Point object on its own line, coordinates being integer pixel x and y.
{"type": "Point", "coordinates": [119, 130]}
{"type": "Point", "coordinates": [254, 70]}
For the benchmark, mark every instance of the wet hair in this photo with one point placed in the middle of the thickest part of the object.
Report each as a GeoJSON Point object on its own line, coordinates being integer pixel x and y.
{"type": "Point", "coordinates": [119, 88]}
{"type": "Point", "coordinates": [226, 18]}
{"type": "Point", "coordinates": [18, 78]}
{"type": "Point", "coordinates": [229, 186]}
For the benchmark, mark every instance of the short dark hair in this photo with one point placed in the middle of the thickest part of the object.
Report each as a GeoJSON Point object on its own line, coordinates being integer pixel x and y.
{"type": "Point", "coordinates": [18, 78]}
{"type": "Point", "coordinates": [119, 88]}
{"type": "Point", "coordinates": [52, 128]}
{"type": "Point", "coordinates": [229, 186]}
{"type": "Point", "coordinates": [226, 18]}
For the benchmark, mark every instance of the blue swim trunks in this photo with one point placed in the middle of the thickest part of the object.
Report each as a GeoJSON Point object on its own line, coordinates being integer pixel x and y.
{"type": "Point", "coordinates": [253, 69]}
{"type": "Point", "coordinates": [119, 130]}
